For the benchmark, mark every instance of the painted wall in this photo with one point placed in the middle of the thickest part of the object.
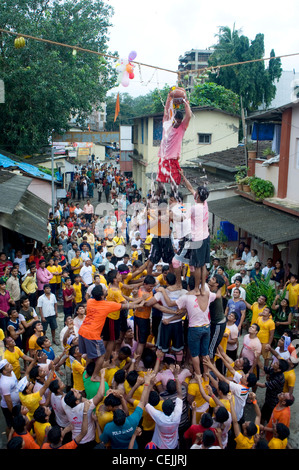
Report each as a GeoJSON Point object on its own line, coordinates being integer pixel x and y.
{"type": "Point", "coordinates": [293, 175]}
{"type": "Point", "coordinates": [42, 189]}
{"type": "Point", "coordinates": [269, 173]}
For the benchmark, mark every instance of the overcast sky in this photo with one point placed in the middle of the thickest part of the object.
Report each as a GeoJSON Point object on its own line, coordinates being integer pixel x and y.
{"type": "Point", "coordinates": [162, 30]}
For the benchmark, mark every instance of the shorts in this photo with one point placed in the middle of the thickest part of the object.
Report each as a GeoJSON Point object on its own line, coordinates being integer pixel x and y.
{"type": "Point", "coordinates": [123, 320]}
{"type": "Point", "coordinates": [111, 329]}
{"type": "Point", "coordinates": [8, 417]}
{"type": "Point", "coordinates": [171, 171]}
{"type": "Point", "coordinates": [171, 332]}
{"type": "Point", "coordinates": [93, 348]}
{"type": "Point", "coordinates": [50, 321]}
{"type": "Point", "coordinates": [141, 329]}
{"type": "Point", "coordinates": [200, 256]}
{"type": "Point", "coordinates": [265, 354]}
{"type": "Point", "coordinates": [161, 248]}
{"type": "Point", "coordinates": [198, 340]}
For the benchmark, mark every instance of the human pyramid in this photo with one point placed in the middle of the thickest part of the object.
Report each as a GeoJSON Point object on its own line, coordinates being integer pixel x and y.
{"type": "Point", "coordinates": [153, 352]}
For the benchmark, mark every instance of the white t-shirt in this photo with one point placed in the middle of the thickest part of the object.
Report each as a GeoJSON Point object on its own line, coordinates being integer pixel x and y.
{"type": "Point", "coordinates": [226, 427]}
{"type": "Point", "coordinates": [138, 243]}
{"type": "Point", "coordinates": [22, 263]}
{"type": "Point", "coordinates": [61, 417]}
{"type": "Point", "coordinates": [233, 334]}
{"type": "Point", "coordinates": [8, 386]}
{"type": "Point", "coordinates": [240, 393]}
{"type": "Point", "coordinates": [75, 417]}
{"type": "Point", "coordinates": [78, 211]}
{"type": "Point", "coordinates": [166, 429]}
{"type": "Point", "coordinates": [265, 270]}
{"type": "Point", "coordinates": [47, 305]}
{"type": "Point", "coordinates": [197, 317]}
{"type": "Point", "coordinates": [174, 296]}
{"type": "Point", "coordinates": [62, 228]}
{"type": "Point", "coordinates": [283, 355]}
{"type": "Point", "coordinates": [196, 446]}
{"type": "Point", "coordinates": [86, 274]}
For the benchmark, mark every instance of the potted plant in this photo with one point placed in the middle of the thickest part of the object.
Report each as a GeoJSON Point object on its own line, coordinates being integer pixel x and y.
{"type": "Point", "coordinates": [246, 184]}
{"type": "Point", "coordinates": [251, 150]}
{"type": "Point", "coordinates": [262, 188]}
{"type": "Point", "coordinates": [240, 175]}
{"type": "Point", "coordinates": [268, 153]}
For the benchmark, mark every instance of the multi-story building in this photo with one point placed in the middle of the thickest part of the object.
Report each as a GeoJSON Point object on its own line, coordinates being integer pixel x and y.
{"type": "Point", "coordinates": [190, 62]}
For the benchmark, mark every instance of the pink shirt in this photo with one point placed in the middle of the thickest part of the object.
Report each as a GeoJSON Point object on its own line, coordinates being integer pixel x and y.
{"type": "Point", "coordinates": [88, 209]}
{"type": "Point", "coordinates": [171, 143]}
{"type": "Point", "coordinates": [199, 221]}
{"type": "Point", "coordinates": [166, 375]}
{"type": "Point", "coordinates": [252, 348]}
{"type": "Point", "coordinates": [197, 317]}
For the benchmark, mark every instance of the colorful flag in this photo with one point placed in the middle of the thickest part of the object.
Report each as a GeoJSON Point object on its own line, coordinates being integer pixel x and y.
{"type": "Point", "coordinates": [117, 108]}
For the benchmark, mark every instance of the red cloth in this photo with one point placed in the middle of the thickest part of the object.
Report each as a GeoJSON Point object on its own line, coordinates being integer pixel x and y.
{"type": "Point", "coordinates": [172, 167]}
{"type": "Point", "coordinates": [198, 428]}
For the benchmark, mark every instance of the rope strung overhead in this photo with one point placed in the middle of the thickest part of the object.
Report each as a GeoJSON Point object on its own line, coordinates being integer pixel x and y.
{"type": "Point", "coordinates": [177, 72]}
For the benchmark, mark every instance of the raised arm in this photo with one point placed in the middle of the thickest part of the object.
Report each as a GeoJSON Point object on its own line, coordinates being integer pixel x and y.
{"type": "Point", "coordinates": [84, 427]}
{"type": "Point", "coordinates": [187, 183]}
{"type": "Point", "coordinates": [234, 416]}
{"type": "Point", "coordinates": [207, 362]}
{"type": "Point", "coordinates": [101, 390]}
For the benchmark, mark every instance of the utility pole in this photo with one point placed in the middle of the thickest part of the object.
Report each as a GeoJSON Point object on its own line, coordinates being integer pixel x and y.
{"type": "Point", "coordinates": [52, 167]}
{"type": "Point", "coordinates": [244, 131]}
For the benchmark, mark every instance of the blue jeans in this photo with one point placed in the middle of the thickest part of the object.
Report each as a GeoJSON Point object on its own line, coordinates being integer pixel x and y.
{"type": "Point", "coordinates": [198, 340]}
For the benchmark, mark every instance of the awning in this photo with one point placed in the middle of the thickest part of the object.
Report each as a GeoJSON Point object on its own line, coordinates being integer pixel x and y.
{"type": "Point", "coordinates": [270, 225]}
{"type": "Point", "coordinates": [27, 214]}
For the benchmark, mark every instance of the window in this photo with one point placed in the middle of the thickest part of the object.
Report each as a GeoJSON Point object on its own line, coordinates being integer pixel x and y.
{"type": "Point", "coordinates": [204, 138]}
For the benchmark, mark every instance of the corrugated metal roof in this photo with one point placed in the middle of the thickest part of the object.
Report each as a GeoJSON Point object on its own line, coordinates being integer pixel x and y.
{"type": "Point", "coordinates": [12, 189]}
{"type": "Point", "coordinates": [30, 217]}
{"type": "Point", "coordinates": [6, 162]}
{"type": "Point", "coordinates": [272, 226]}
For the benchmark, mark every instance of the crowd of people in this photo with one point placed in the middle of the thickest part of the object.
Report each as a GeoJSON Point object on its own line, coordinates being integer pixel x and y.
{"type": "Point", "coordinates": [153, 349]}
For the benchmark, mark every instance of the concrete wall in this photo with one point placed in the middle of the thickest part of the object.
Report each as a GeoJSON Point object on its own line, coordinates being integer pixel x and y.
{"type": "Point", "coordinates": [99, 151]}
{"type": "Point", "coordinates": [269, 173]}
{"type": "Point", "coordinates": [293, 176]}
{"type": "Point", "coordinates": [42, 189]}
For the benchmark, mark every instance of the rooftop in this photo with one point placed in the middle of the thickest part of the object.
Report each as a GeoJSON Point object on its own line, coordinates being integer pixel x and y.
{"type": "Point", "coordinates": [229, 159]}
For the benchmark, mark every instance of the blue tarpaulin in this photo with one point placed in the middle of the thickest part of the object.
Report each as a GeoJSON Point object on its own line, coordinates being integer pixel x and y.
{"type": "Point", "coordinates": [6, 162]}
{"type": "Point", "coordinates": [262, 131]}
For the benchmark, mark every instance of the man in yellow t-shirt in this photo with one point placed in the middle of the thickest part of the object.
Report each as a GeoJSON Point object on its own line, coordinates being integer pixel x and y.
{"type": "Point", "coordinates": [194, 394]}
{"type": "Point", "coordinates": [293, 290]}
{"type": "Point", "coordinates": [12, 354]}
{"type": "Point", "coordinates": [76, 263]}
{"type": "Point", "coordinates": [78, 365]}
{"type": "Point", "coordinates": [78, 289]}
{"type": "Point", "coordinates": [111, 329]}
{"type": "Point", "coordinates": [245, 439]}
{"type": "Point", "coordinates": [266, 333]}
{"type": "Point", "coordinates": [147, 245]}
{"type": "Point", "coordinates": [161, 279]}
{"type": "Point", "coordinates": [257, 308]}
{"type": "Point", "coordinates": [280, 436]}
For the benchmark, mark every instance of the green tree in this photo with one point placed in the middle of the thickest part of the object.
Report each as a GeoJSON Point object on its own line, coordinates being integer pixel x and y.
{"type": "Point", "coordinates": [252, 81]}
{"type": "Point", "coordinates": [129, 108]}
{"type": "Point", "coordinates": [44, 83]}
{"type": "Point", "coordinates": [210, 94]}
